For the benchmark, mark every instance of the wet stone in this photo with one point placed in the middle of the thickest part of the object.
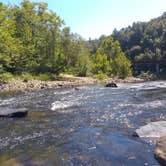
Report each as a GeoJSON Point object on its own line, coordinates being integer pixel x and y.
{"type": "Point", "coordinates": [111, 85]}
{"type": "Point", "coordinates": [13, 113]}
{"type": "Point", "coordinates": [152, 130]}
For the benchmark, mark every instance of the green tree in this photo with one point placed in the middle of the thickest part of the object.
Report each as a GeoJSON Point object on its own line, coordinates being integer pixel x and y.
{"type": "Point", "coordinates": [115, 61]}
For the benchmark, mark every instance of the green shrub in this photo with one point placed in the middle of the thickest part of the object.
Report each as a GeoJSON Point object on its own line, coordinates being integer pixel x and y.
{"type": "Point", "coordinates": [46, 77]}
{"type": "Point", "coordinates": [26, 76]}
{"type": "Point", "coordinates": [1, 69]}
{"type": "Point", "coordinates": [6, 76]}
{"type": "Point", "coordinates": [100, 76]}
{"type": "Point", "coordinates": [71, 71]}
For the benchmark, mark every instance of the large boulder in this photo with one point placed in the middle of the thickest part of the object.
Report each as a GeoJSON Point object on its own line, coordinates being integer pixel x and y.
{"type": "Point", "coordinates": [112, 85]}
{"type": "Point", "coordinates": [152, 130]}
{"type": "Point", "coordinates": [157, 132]}
{"type": "Point", "coordinates": [13, 113]}
{"type": "Point", "coordinates": [160, 153]}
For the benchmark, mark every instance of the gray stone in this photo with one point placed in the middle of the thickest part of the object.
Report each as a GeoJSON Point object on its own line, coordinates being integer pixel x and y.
{"type": "Point", "coordinates": [13, 113]}
{"type": "Point", "coordinates": [152, 130]}
{"type": "Point", "coordinates": [81, 88]}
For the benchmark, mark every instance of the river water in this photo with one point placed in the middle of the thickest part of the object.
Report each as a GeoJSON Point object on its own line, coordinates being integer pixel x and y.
{"type": "Point", "coordinates": [92, 126]}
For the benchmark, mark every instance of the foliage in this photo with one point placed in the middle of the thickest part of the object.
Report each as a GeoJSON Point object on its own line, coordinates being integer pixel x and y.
{"type": "Point", "coordinates": [100, 76]}
{"type": "Point", "coordinates": [45, 77]}
{"type": "Point", "coordinates": [1, 69]}
{"type": "Point", "coordinates": [100, 64]}
{"type": "Point", "coordinates": [6, 76]}
{"type": "Point", "coordinates": [34, 41]}
{"type": "Point", "coordinates": [147, 75]}
{"type": "Point", "coordinates": [110, 59]}
{"type": "Point", "coordinates": [26, 76]}
{"type": "Point", "coordinates": [145, 44]}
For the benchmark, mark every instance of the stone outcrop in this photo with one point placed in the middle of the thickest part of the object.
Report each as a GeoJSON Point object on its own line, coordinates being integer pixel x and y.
{"type": "Point", "coordinates": [160, 153]}
{"type": "Point", "coordinates": [152, 130]}
{"type": "Point", "coordinates": [156, 131]}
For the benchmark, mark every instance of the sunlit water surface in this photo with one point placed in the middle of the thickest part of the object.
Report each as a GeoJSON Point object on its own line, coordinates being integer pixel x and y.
{"type": "Point", "coordinates": [92, 126]}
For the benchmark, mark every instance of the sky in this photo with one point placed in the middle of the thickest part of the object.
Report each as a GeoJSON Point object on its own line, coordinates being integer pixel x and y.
{"type": "Point", "coordinates": [93, 18]}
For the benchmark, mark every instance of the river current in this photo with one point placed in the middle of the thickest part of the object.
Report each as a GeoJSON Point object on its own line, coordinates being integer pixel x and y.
{"type": "Point", "coordinates": [92, 126]}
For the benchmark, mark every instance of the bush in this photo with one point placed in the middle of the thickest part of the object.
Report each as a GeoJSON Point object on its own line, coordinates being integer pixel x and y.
{"type": "Point", "coordinates": [26, 76]}
{"type": "Point", "coordinates": [147, 75]}
{"type": "Point", "coordinates": [100, 76]}
{"type": "Point", "coordinates": [71, 71]}
{"type": "Point", "coordinates": [1, 69]}
{"type": "Point", "coordinates": [6, 76]}
{"type": "Point", "coordinates": [46, 77]}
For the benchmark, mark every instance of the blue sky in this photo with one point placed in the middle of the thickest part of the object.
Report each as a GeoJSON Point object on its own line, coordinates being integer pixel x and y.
{"type": "Point", "coordinates": [92, 18]}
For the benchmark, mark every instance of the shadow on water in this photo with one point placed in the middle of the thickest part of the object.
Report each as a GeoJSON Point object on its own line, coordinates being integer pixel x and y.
{"type": "Point", "coordinates": [93, 126]}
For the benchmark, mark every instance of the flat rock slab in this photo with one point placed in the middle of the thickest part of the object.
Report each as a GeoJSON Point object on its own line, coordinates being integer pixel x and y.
{"type": "Point", "coordinates": [13, 113]}
{"type": "Point", "coordinates": [160, 153]}
{"type": "Point", "coordinates": [152, 130]}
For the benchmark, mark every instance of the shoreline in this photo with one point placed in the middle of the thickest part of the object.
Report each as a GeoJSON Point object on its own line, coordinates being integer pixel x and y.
{"type": "Point", "coordinates": [66, 81]}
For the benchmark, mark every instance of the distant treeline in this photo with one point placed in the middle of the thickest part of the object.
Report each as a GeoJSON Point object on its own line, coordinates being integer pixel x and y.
{"type": "Point", "coordinates": [35, 40]}
{"type": "Point", "coordinates": [144, 43]}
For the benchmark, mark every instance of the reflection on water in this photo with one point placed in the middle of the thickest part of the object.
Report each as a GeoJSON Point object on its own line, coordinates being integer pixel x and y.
{"type": "Point", "coordinates": [89, 126]}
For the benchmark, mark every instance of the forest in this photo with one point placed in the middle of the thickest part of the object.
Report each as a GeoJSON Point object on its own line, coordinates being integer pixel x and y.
{"type": "Point", "coordinates": [35, 41]}
{"type": "Point", "coordinates": [144, 43]}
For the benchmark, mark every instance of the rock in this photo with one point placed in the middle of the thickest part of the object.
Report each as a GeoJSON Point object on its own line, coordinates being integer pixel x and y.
{"type": "Point", "coordinates": [81, 88]}
{"type": "Point", "coordinates": [152, 130]}
{"type": "Point", "coordinates": [30, 85]}
{"type": "Point", "coordinates": [60, 85]}
{"type": "Point", "coordinates": [13, 113]}
{"type": "Point", "coordinates": [43, 86]}
{"type": "Point", "coordinates": [112, 84]}
{"type": "Point", "coordinates": [160, 153]}
{"type": "Point", "coordinates": [25, 80]}
{"type": "Point", "coordinates": [77, 88]}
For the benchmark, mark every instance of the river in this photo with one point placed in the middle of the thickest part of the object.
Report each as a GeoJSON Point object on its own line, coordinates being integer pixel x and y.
{"type": "Point", "coordinates": [92, 126]}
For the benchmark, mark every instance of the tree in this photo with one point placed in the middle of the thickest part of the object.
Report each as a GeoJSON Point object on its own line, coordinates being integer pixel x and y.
{"type": "Point", "coordinates": [111, 59]}
{"type": "Point", "coordinates": [144, 41]}
{"type": "Point", "coordinates": [100, 64]}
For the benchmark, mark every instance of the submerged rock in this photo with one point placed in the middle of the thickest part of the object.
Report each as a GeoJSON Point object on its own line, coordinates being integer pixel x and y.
{"type": "Point", "coordinates": [112, 84]}
{"type": "Point", "coordinates": [13, 113]}
{"type": "Point", "coordinates": [160, 153]}
{"type": "Point", "coordinates": [152, 130]}
{"type": "Point", "coordinates": [81, 88]}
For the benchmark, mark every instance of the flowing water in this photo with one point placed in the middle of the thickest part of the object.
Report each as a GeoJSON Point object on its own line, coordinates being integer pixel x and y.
{"type": "Point", "coordinates": [92, 126]}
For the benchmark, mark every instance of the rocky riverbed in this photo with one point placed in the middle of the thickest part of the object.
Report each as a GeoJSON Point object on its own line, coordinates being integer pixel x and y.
{"type": "Point", "coordinates": [65, 81]}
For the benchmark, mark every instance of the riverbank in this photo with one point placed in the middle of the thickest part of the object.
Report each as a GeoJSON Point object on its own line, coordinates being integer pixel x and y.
{"type": "Point", "coordinates": [64, 81]}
